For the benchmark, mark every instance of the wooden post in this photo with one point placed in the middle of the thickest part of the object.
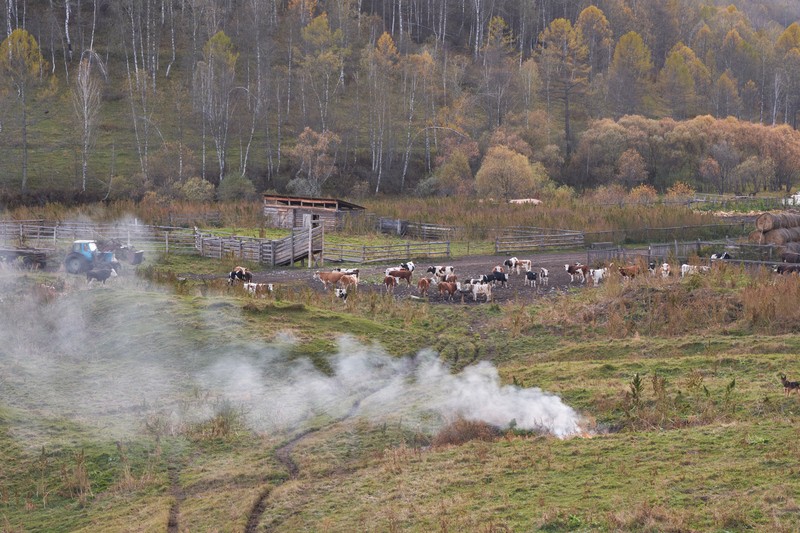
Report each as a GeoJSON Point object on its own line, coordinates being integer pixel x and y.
{"type": "Point", "coordinates": [322, 245]}
{"type": "Point", "coordinates": [166, 243]}
{"type": "Point", "coordinates": [310, 244]}
{"type": "Point", "coordinates": [448, 248]}
{"type": "Point", "coordinates": [408, 250]}
{"type": "Point", "coordinates": [291, 258]}
{"type": "Point", "coordinates": [272, 253]}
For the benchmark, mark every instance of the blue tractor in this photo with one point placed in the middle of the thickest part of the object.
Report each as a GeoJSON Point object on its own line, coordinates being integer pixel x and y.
{"type": "Point", "coordinates": [85, 256]}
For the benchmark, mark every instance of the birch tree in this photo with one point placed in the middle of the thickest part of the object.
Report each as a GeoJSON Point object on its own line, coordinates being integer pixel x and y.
{"type": "Point", "coordinates": [22, 68]}
{"type": "Point", "coordinates": [214, 85]}
{"type": "Point", "coordinates": [86, 100]}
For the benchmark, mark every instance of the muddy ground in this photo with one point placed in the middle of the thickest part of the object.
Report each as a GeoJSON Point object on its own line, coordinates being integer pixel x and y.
{"type": "Point", "coordinates": [371, 277]}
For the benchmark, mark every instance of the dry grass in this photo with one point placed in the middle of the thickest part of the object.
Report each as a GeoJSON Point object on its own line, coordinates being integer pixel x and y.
{"type": "Point", "coordinates": [461, 431]}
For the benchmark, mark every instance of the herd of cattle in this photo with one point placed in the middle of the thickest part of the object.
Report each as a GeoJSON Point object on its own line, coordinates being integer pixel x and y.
{"type": "Point", "coordinates": [444, 281]}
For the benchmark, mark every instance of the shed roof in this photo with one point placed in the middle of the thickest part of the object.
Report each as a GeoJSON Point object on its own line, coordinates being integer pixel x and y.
{"type": "Point", "coordinates": [304, 201]}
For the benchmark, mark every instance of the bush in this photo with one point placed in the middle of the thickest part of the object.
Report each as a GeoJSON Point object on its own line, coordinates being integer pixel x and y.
{"type": "Point", "coordinates": [196, 189]}
{"type": "Point", "coordinates": [462, 430]}
{"type": "Point", "coordinates": [236, 188]}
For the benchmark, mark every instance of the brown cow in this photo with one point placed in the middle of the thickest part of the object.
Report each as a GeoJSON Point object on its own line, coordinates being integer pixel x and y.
{"type": "Point", "coordinates": [449, 288]}
{"type": "Point", "coordinates": [390, 282]}
{"type": "Point", "coordinates": [401, 274]}
{"type": "Point", "coordinates": [328, 277]}
{"type": "Point", "coordinates": [423, 285]}
{"type": "Point", "coordinates": [347, 281]}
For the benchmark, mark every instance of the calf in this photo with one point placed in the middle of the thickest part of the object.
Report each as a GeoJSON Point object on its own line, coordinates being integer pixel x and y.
{"type": "Point", "coordinates": [257, 288]}
{"type": "Point", "coordinates": [530, 278]}
{"type": "Point", "coordinates": [723, 255]}
{"type": "Point", "coordinates": [447, 288]}
{"type": "Point", "coordinates": [651, 268]}
{"type": "Point", "coordinates": [666, 270]}
{"type": "Point", "coordinates": [341, 293]}
{"type": "Point", "coordinates": [577, 271]}
{"type": "Point", "coordinates": [544, 277]}
{"type": "Point", "coordinates": [100, 275]}
{"type": "Point", "coordinates": [441, 272]}
{"type": "Point", "coordinates": [452, 278]}
{"type": "Point", "coordinates": [629, 271]}
{"type": "Point", "coordinates": [389, 282]}
{"type": "Point", "coordinates": [348, 281]}
{"type": "Point", "coordinates": [423, 285]}
{"type": "Point", "coordinates": [597, 275]}
{"type": "Point", "coordinates": [501, 278]}
{"type": "Point", "coordinates": [687, 269]}
{"type": "Point", "coordinates": [401, 274]}
{"type": "Point", "coordinates": [482, 289]}
{"type": "Point", "coordinates": [328, 277]}
{"type": "Point", "coordinates": [240, 273]}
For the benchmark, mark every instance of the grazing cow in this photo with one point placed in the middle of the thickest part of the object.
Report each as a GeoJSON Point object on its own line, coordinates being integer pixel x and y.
{"type": "Point", "coordinates": [723, 255]}
{"type": "Point", "coordinates": [401, 274]}
{"type": "Point", "coordinates": [389, 282]}
{"type": "Point", "coordinates": [578, 271]}
{"type": "Point", "coordinates": [257, 288]}
{"type": "Point", "coordinates": [597, 275]}
{"type": "Point", "coordinates": [341, 293]}
{"type": "Point", "coordinates": [666, 270]}
{"type": "Point", "coordinates": [100, 275]}
{"type": "Point", "coordinates": [687, 269]}
{"type": "Point", "coordinates": [240, 273]}
{"type": "Point", "coordinates": [423, 285]}
{"type": "Point", "coordinates": [544, 277]}
{"type": "Point", "coordinates": [530, 278]}
{"type": "Point", "coordinates": [348, 281]}
{"type": "Point", "coordinates": [328, 277]}
{"type": "Point", "coordinates": [629, 271]}
{"type": "Point", "coordinates": [441, 272]}
{"type": "Point", "coordinates": [784, 268]}
{"type": "Point", "coordinates": [484, 289]}
{"type": "Point", "coordinates": [447, 288]}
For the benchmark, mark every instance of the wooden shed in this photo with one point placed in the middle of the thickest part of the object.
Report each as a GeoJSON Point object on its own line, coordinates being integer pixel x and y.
{"type": "Point", "coordinates": [301, 212]}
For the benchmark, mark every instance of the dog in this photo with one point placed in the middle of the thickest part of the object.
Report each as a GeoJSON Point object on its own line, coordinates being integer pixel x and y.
{"type": "Point", "coordinates": [789, 386]}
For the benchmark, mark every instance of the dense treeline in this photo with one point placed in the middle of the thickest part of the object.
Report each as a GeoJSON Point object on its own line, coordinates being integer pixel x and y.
{"type": "Point", "coordinates": [196, 98]}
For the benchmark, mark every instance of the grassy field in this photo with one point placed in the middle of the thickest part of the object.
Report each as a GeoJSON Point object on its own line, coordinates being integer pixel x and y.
{"type": "Point", "coordinates": [152, 404]}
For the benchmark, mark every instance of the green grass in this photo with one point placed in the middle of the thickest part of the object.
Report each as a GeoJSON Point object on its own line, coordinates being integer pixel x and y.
{"type": "Point", "coordinates": [121, 411]}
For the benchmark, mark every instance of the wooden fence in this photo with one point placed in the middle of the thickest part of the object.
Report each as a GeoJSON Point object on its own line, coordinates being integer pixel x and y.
{"type": "Point", "coordinates": [681, 252]}
{"type": "Point", "coordinates": [301, 244]}
{"type": "Point", "coordinates": [391, 252]}
{"type": "Point", "coordinates": [536, 239]}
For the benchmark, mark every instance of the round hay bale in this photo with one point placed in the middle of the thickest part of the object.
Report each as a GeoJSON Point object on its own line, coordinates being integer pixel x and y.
{"type": "Point", "coordinates": [771, 221]}
{"type": "Point", "coordinates": [781, 236]}
{"type": "Point", "coordinates": [756, 237]}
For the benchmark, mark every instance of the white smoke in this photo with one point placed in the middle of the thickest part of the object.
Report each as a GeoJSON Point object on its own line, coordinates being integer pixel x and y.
{"type": "Point", "coordinates": [285, 396]}
{"type": "Point", "coordinates": [139, 360]}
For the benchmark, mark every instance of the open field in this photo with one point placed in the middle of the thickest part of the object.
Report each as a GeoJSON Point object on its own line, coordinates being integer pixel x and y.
{"type": "Point", "coordinates": [166, 402]}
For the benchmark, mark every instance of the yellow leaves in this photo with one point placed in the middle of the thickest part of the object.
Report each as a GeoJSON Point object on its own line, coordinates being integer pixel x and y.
{"type": "Point", "coordinates": [219, 48]}
{"type": "Point", "coordinates": [20, 56]}
{"type": "Point", "coordinates": [386, 49]}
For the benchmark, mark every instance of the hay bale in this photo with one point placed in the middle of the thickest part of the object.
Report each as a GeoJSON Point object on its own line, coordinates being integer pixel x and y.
{"type": "Point", "coordinates": [756, 237]}
{"type": "Point", "coordinates": [772, 221]}
{"type": "Point", "coordinates": [781, 236]}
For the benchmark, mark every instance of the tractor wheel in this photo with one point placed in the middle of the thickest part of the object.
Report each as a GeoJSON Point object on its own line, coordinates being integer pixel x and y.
{"type": "Point", "coordinates": [75, 264]}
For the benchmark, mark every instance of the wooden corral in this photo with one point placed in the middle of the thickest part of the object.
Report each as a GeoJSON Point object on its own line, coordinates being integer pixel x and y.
{"type": "Point", "coordinates": [302, 212]}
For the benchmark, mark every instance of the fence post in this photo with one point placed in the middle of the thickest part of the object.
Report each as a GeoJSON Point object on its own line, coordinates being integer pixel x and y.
{"type": "Point", "coordinates": [408, 250]}
{"type": "Point", "coordinates": [166, 243]}
{"type": "Point", "coordinates": [448, 248]}
{"type": "Point", "coordinates": [291, 259]}
{"type": "Point", "coordinates": [310, 244]}
{"type": "Point", "coordinates": [272, 253]}
{"type": "Point", "coordinates": [363, 253]}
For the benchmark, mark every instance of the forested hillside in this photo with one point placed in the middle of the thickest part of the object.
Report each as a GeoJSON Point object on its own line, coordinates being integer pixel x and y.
{"type": "Point", "coordinates": [198, 99]}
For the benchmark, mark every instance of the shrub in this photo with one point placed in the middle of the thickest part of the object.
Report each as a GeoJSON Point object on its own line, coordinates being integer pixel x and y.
{"type": "Point", "coordinates": [461, 430]}
{"type": "Point", "coordinates": [236, 188]}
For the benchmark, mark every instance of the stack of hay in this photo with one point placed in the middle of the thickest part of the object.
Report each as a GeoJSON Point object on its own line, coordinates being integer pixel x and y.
{"type": "Point", "coordinates": [782, 229]}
